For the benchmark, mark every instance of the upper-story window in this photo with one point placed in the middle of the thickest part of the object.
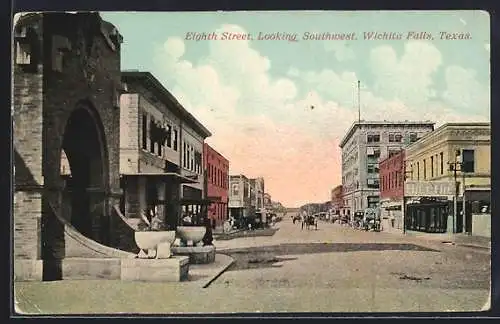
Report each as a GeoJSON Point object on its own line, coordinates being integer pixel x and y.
{"type": "Point", "coordinates": [235, 191]}
{"type": "Point", "coordinates": [395, 137]}
{"type": "Point", "coordinates": [373, 138]}
{"type": "Point", "coordinates": [393, 152]}
{"type": "Point", "coordinates": [441, 162]}
{"type": "Point", "coordinates": [145, 134]}
{"type": "Point", "coordinates": [432, 167]}
{"type": "Point", "coordinates": [413, 137]}
{"type": "Point", "coordinates": [468, 161]}
{"type": "Point", "coordinates": [169, 135]}
{"type": "Point", "coordinates": [176, 139]}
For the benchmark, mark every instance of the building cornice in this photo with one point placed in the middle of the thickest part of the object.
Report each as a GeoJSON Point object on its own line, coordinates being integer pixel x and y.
{"type": "Point", "coordinates": [350, 132]}
{"type": "Point", "coordinates": [151, 83]}
{"type": "Point", "coordinates": [451, 132]}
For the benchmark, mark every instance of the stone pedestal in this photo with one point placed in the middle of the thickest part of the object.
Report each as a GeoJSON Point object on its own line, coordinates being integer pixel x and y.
{"type": "Point", "coordinates": [163, 251]}
{"type": "Point", "coordinates": [196, 254]}
{"type": "Point", "coordinates": [174, 269]}
{"type": "Point", "coordinates": [28, 270]}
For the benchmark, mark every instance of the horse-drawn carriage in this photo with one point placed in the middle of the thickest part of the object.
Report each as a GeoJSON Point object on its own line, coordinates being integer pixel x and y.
{"type": "Point", "coordinates": [309, 221]}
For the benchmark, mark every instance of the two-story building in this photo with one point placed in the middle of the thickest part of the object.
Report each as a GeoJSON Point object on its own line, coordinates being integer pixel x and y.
{"type": "Point", "coordinates": [217, 177]}
{"type": "Point", "coordinates": [157, 150]}
{"type": "Point", "coordinates": [258, 189]}
{"type": "Point", "coordinates": [240, 198]}
{"type": "Point", "coordinates": [445, 166]}
{"type": "Point", "coordinates": [392, 174]}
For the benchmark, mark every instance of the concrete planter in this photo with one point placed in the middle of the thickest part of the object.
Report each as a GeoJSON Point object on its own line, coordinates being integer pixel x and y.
{"type": "Point", "coordinates": [152, 241]}
{"type": "Point", "coordinates": [193, 234]}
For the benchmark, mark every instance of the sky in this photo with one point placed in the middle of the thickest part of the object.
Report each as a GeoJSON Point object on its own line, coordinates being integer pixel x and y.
{"type": "Point", "coordinates": [279, 108]}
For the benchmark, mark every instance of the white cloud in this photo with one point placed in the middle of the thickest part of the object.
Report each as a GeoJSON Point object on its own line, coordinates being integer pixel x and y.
{"type": "Point", "coordinates": [463, 90]}
{"type": "Point", "coordinates": [341, 49]}
{"type": "Point", "coordinates": [409, 78]}
{"type": "Point", "coordinates": [293, 72]}
{"type": "Point", "coordinates": [261, 124]}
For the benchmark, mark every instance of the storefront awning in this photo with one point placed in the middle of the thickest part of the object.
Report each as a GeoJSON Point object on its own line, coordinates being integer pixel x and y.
{"type": "Point", "coordinates": [166, 175]}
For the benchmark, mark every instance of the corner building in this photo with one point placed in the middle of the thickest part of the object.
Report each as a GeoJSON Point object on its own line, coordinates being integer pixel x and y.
{"type": "Point", "coordinates": [365, 143]}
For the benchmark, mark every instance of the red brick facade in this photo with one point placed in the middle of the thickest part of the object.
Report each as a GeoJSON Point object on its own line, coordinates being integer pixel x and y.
{"type": "Point", "coordinates": [217, 174]}
{"type": "Point", "coordinates": [391, 171]}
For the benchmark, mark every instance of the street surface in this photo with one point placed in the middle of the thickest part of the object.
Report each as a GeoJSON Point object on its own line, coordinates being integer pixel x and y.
{"type": "Point", "coordinates": [332, 269]}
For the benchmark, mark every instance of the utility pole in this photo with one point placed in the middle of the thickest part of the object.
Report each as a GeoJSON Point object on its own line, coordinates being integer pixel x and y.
{"type": "Point", "coordinates": [464, 228]}
{"type": "Point", "coordinates": [454, 167]}
{"type": "Point", "coordinates": [403, 208]}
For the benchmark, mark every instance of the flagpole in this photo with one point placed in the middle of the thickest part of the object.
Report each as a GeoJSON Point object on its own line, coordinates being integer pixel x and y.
{"type": "Point", "coordinates": [359, 102]}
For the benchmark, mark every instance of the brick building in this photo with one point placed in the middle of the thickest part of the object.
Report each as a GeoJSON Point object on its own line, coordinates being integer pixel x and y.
{"type": "Point", "coordinates": [392, 176]}
{"type": "Point", "coordinates": [436, 194]}
{"type": "Point", "coordinates": [151, 120]}
{"type": "Point", "coordinates": [216, 167]}
{"type": "Point", "coordinates": [66, 79]}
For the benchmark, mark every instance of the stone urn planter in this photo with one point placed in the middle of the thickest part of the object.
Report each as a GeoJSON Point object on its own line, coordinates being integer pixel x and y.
{"type": "Point", "coordinates": [155, 244]}
{"type": "Point", "coordinates": [191, 235]}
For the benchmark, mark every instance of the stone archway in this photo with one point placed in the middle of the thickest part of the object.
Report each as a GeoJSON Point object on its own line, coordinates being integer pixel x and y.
{"type": "Point", "coordinates": [84, 146]}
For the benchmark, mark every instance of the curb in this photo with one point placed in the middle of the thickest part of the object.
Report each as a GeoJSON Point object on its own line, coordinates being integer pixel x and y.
{"type": "Point", "coordinates": [219, 273]}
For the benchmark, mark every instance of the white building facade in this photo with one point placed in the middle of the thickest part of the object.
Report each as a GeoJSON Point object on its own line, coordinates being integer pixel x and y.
{"type": "Point", "coordinates": [365, 143]}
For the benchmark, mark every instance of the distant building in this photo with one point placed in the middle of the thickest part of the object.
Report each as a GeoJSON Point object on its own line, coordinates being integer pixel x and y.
{"type": "Point", "coordinates": [363, 145]}
{"type": "Point", "coordinates": [432, 186]}
{"type": "Point", "coordinates": [240, 199]}
{"type": "Point", "coordinates": [392, 176]}
{"type": "Point", "coordinates": [217, 175]}
{"type": "Point", "coordinates": [267, 201]}
{"type": "Point", "coordinates": [337, 199]}
{"type": "Point", "coordinates": [258, 193]}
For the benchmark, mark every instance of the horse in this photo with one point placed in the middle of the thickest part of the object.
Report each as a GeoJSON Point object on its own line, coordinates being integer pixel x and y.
{"type": "Point", "coordinates": [310, 221]}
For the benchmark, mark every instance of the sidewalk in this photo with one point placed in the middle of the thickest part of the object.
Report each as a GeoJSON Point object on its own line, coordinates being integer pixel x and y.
{"type": "Point", "coordinates": [460, 239]}
{"type": "Point", "coordinates": [204, 274]}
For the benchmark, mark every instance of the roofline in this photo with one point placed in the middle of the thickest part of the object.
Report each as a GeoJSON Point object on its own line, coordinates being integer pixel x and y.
{"type": "Point", "coordinates": [166, 95]}
{"type": "Point", "coordinates": [401, 152]}
{"type": "Point", "coordinates": [447, 125]}
{"type": "Point", "coordinates": [211, 148]}
{"type": "Point", "coordinates": [356, 124]}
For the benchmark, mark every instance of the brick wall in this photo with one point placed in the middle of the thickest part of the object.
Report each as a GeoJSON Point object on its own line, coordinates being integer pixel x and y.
{"type": "Point", "coordinates": [217, 169]}
{"type": "Point", "coordinates": [27, 138]}
{"type": "Point", "coordinates": [391, 173]}
{"type": "Point", "coordinates": [129, 133]}
{"type": "Point", "coordinates": [44, 98]}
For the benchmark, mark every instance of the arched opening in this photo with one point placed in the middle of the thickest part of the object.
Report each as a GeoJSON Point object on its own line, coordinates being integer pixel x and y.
{"type": "Point", "coordinates": [83, 148]}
